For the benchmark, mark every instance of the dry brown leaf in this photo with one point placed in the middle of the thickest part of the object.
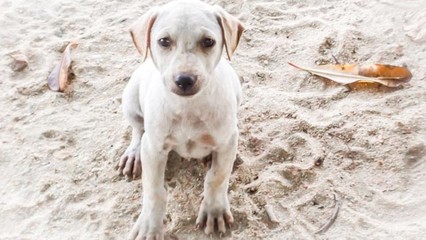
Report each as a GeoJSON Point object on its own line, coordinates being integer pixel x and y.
{"type": "Point", "coordinates": [20, 61]}
{"type": "Point", "coordinates": [58, 78]}
{"type": "Point", "coordinates": [388, 75]}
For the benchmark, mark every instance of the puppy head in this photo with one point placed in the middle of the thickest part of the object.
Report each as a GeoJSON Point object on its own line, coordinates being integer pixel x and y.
{"type": "Point", "coordinates": [185, 40]}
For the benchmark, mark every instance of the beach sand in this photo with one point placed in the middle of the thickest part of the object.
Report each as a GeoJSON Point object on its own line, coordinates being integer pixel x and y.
{"type": "Point", "coordinates": [58, 150]}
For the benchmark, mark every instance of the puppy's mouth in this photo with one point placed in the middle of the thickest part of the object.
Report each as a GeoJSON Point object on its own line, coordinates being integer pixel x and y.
{"type": "Point", "coordinates": [185, 93]}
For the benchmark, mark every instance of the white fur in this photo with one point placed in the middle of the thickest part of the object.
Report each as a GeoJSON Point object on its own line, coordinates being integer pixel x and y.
{"type": "Point", "coordinates": [193, 126]}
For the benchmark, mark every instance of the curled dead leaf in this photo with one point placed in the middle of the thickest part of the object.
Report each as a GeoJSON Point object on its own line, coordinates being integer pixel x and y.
{"type": "Point", "coordinates": [388, 75]}
{"type": "Point", "coordinates": [58, 78]}
{"type": "Point", "coordinates": [20, 62]}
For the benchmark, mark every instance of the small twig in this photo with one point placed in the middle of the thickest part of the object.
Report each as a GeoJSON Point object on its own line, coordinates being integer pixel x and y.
{"type": "Point", "coordinates": [335, 59]}
{"type": "Point", "coordinates": [333, 217]}
{"type": "Point", "coordinates": [271, 214]}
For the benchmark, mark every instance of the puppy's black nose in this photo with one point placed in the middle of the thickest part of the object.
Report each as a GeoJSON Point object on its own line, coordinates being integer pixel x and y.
{"type": "Point", "coordinates": [185, 81]}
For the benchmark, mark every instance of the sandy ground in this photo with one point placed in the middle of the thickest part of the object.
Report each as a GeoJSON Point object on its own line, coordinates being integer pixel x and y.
{"type": "Point", "coordinates": [58, 151]}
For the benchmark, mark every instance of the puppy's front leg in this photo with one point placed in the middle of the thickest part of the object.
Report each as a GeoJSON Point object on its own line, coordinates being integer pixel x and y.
{"type": "Point", "coordinates": [215, 205]}
{"type": "Point", "coordinates": [130, 162]}
{"type": "Point", "coordinates": [150, 222]}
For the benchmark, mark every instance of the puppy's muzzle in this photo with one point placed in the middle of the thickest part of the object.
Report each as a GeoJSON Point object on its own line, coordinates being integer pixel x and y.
{"type": "Point", "coordinates": [186, 84]}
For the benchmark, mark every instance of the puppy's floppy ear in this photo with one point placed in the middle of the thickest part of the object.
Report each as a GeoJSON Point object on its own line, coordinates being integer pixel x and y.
{"type": "Point", "coordinates": [141, 32]}
{"type": "Point", "coordinates": [231, 30]}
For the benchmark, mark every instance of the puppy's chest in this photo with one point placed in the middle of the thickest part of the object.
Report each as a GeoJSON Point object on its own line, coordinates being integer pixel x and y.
{"type": "Point", "coordinates": [192, 137]}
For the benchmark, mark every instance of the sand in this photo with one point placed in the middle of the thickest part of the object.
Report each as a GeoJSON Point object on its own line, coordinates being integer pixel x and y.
{"type": "Point", "coordinates": [58, 150]}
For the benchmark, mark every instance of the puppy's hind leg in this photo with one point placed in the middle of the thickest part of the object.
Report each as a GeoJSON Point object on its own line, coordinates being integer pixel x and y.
{"type": "Point", "coordinates": [130, 161]}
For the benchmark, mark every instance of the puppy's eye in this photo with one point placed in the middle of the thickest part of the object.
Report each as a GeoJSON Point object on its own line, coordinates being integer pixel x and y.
{"type": "Point", "coordinates": [207, 43]}
{"type": "Point", "coordinates": [165, 42]}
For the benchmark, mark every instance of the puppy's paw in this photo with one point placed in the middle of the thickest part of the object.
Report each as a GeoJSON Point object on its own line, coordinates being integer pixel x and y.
{"type": "Point", "coordinates": [212, 212]}
{"type": "Point", "coordinates": [130, 163]}
{"type": "Point", "coordinates": [147, 228]}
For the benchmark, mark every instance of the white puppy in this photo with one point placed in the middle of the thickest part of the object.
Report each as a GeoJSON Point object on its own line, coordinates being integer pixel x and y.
{"type": "Point", "coordinates": [184, 97]}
